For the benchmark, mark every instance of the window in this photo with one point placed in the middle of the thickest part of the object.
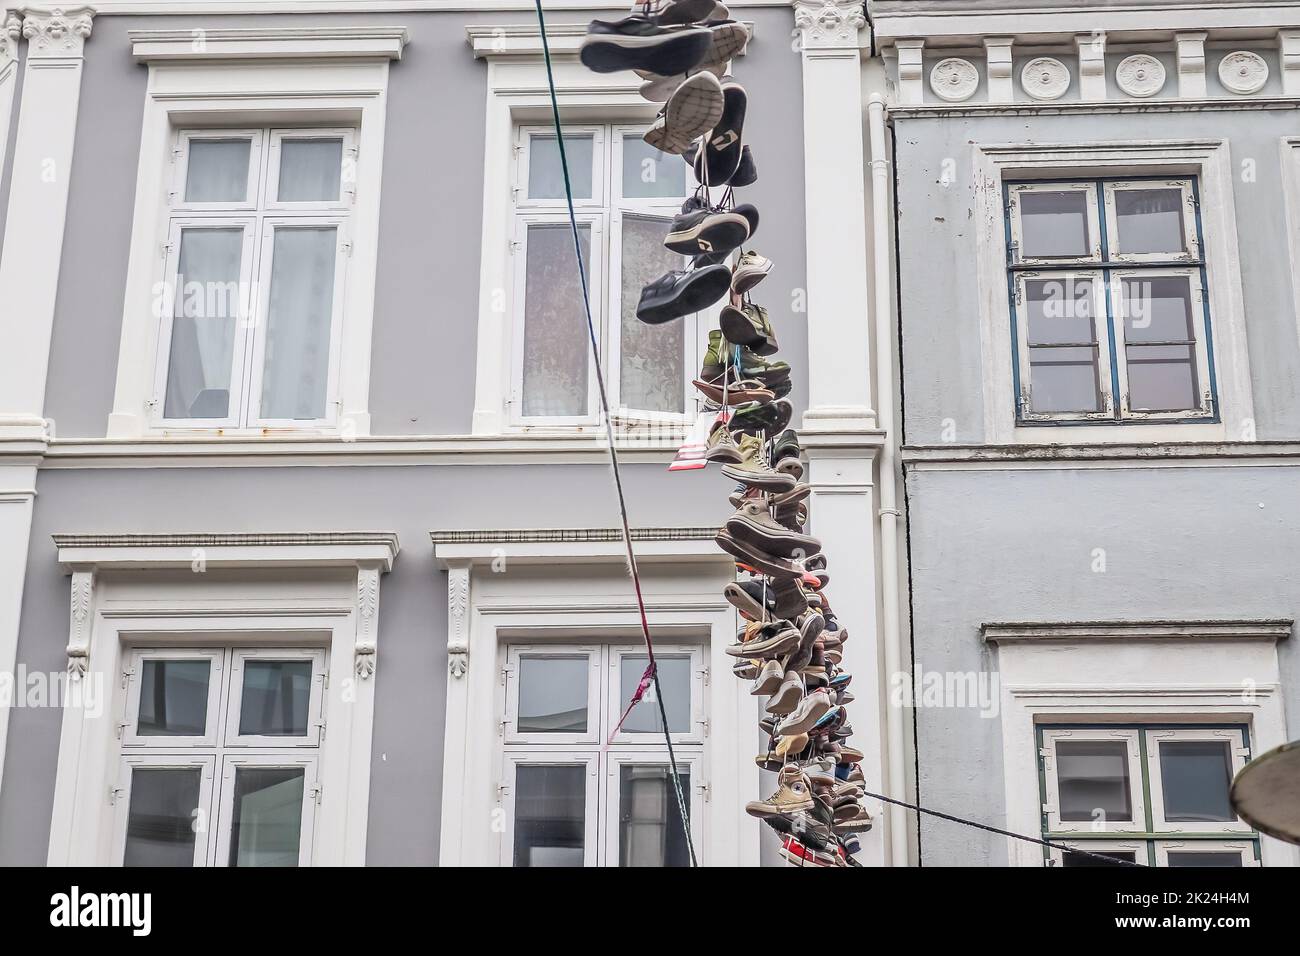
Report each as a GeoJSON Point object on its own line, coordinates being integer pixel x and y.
{"type": "Point", "coordinates": [575, 792]}
{"type": "Point", "coordinates": [625, 196]}
{"type": "Point", "coordinates": [219, 757]}
{"type": "Point", "coordinates": [251, 300]}
{"type": "Point", "coordinates": [1109, 300]}
{"type": "Point", "coordinates": [1155, 795]}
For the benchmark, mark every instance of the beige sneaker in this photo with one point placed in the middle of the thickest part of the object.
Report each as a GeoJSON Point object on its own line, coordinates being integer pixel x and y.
{"type": "Point", "coordinates": [754, 471]}
{"type": "Point", "coordinates": [749, 272]}
{"type": "Point", "coordinates": [793, 795]}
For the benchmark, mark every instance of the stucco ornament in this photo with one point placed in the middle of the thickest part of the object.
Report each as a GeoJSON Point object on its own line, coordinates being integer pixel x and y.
{"type": "Point", "coordinates": [1045, 78]}
{"type": "Point", "coordinates": [1243, 72]}
{"type": "Point", "coordinates": [1140, 75]}
{"type": "Point", "coordinates": [829, 22]}
{"type": "Point", "coordinates": [954, 79]}
{"type": "Point", "coordinates": [60, 30]}
{"type": "Point", "coordinates": [10, 30]}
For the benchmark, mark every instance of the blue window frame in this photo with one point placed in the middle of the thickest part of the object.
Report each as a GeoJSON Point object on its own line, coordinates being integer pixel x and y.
{"type": "Point", "coordinates": [1110, 315]}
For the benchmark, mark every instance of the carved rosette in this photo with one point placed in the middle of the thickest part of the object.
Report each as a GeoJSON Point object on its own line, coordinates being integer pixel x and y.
{"type": "Point", "coordinates": [83, 586]}
{"type": "Point", "coordinates": [1045, 78]}
{"type": "Point", "coordinates": [60, 31]}
{"type": "Point", "coordinates": [954, 79]}
{"type": "Point", "coordinates": [1243, 72]}
{"type": "Point", "coordinates": [367, 608]}
{"type": "Point", "coordinates": [457, 625]}
{"type": "Point", "coordinates": [1140, 75]}
{"type": "Point", "coordinates": [829, 23]}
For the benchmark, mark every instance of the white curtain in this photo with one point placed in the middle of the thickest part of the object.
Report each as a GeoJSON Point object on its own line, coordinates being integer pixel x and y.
{"type": "Point", "coordinates": [206, 308]}
{"type": "Point", "coordinates": [295, 363]}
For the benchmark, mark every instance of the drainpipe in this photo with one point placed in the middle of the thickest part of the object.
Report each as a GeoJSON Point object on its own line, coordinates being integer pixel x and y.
{"type": "Point", "coordinates": [889, 513]}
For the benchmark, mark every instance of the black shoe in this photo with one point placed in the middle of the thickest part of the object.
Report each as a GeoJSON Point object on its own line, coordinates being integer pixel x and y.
{"type": "Point", "coordinates": [750, 212]}
{"type": "Point", "coordinates": [709, 259]}
{"type": "Point", "coordinates": [723, 147]}
{"type": "Point", "coordinates": [675, 294]}
{"type": "Point", "coordinates": [769, 419]}
{"type": "Point", "coordinates": [746, 173]}
{"type": "Point", "coordinates": [748, 325]}
{"type": "Point", "coordinates": [636, 43]}
{"type": "Point", "coordinates": [705, 232]}
{"type": "Point", "coordinates": [685, 11]}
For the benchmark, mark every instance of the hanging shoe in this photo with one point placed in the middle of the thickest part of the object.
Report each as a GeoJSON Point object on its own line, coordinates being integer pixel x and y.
{"type": "Point", "coordinates": [737, 393]}
{"type": "Point", "coordinates": [694, 108]}
{"type": "Point", "coordinates": [750, 270]}
{"type": "Point", "coordinates": [682, 12]}
{"type": "Point", "coordinates": [753, 470]}
{"type": "Point", "coordinates": [767, 420]}
{"type": "Point", "coordinates": [787, 695]}
{"type": "Point", "coordinates": [637, 43]}
{"type": "Point", "coordinates": [746, 173]}
{"type": "Point", "coordinates": [721, 446]}
{"type": "Point", "coordinates": [792, 795]}
{"type": "Point", "coordinates": [749, 325]}
{"type": "Point", "coordinates": [705, 232]}
{"type": "Point", "coordinates": [750, 557]}
{"type": "Point", "coordinates": [723, 146]}
{"type": "Point", "coordinates": [675, 294]}
{"type": "Point", "coordinates": [753, 522]}
{"type": "Point", "coordinates": [750, 212]}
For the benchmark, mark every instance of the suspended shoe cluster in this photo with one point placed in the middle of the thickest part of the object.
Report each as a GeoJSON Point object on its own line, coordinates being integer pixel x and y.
{"type": "Point", "coordinates": [790, 645]}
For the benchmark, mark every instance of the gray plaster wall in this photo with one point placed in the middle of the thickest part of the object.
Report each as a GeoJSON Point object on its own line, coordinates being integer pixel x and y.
{"type": "Point", "coordinates": [406, 778]}
{"type": "Point", "coordinates": [943, 368]}
{"type": "Point", "coordinates": [427, 283]}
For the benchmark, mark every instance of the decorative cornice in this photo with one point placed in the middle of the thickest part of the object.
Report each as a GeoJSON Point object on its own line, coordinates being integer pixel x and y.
{"type": "Point", "coordinates": [366, 549]}
{"type": "Point", "coordinates": [56, 31]}
{"type": "Point", "coordinates": [552, 546]}
{"type": "Point", "coordinates": [582, 535]}
{"type": "Point", "coordinates": [1072, 632]}
{"type": "Point", "coordinates": [358, 42]}
{"type": "Point", "coordinates": [1130, 454]}
{"type": "Point", "coordinates": [1154, 105]}
{"type": "Point", "coordinates": [830, 24]}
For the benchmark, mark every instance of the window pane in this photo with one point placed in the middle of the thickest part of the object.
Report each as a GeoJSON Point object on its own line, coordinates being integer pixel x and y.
{"type": "Point", "coordinates": [1203, 858]}
{"type": "Point", "coordinates": [205, 310]}
{"type": "Point", "coordinates": [1093, 776]}
{"type": "Point", "coordinates": [1054, 224]}
{"type": "Point", "coordinates": [556, 346]}
{"type": "Point", "coordinates": [652, 358]}
{"type": "Point", "coordinates": [553, 694]}
{"type": "Point", "coordinates": [550, 815]}
{"type": "Point", "coordinates": [1195, 776]}
{"type": "Point", "coordinates": [650, 174]}
{"type": "Point", "coordinates": [218, 170]}
{"type": "Point", "coordinates": [173, 698]}
{"type": "Point", "coordinates": [160, 820]}
{"type": "Point", "coordinates": [650, 831]}
{"type": "Point", "coordinates": [1158, 309]}
{"type": "Point", "coordinates": [1078, 859]}
{"type": "Point", "coordinates": [275, 698]}
{"type": "Point", "coordinates": [1060, 311]}
{"type": "Point", "coordinates": [546, 175]}
{"type": "Point", "coordinates": [267, 823]}
{"type": "Point", "coordinates": [674, 680]}
{"type": "Point", "coordinates": [296, 361]}
{"type": "Point", "coordinates": [1162, 377]}
{"type": "Point", "coordinates": [1150, 220]}
{"type": "Point", "coordinates": [1064, 380]}
{"type": "Point", "coordinates": [310, 170]}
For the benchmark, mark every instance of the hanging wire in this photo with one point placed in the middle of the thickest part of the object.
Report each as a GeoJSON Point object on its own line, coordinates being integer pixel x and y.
{"type": "Point", "coordinates": [652, 670]}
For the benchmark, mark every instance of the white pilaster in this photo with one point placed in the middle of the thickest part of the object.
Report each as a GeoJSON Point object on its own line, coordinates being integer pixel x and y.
{"type": "Point", "coordinates": [1191, 65]}
{"type": "Point", "coordinates": [1092, 65]}
{"type": "Point", "coordinates": [998, 57]}
{"type": "Point", "coordinates": [17, 494]}
{"type": "Point", "coordinates": [38, 199]}
{"type": "Point", "coordinates": [452, 850]}
{"type": "Point", "coordinates": [839, 346]}
{"type": "Point", "coordinates": [11, 28]}
{"type": "Point", "coordinates": [1288, 42]}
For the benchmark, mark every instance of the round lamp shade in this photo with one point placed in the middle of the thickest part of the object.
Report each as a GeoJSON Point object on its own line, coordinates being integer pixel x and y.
{"type": "Point", "coordinates": [1266, 794]}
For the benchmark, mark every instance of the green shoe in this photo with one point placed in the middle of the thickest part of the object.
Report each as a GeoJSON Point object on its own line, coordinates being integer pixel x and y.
{"type": "Point", "coordinates": [749, 325]}
{"type": "Point", "coordinates": [768, 420]}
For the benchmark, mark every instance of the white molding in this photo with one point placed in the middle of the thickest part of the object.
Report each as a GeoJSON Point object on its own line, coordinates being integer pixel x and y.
{"type": "Point", "coordinates": [133, 605]}
{"type": "Point", "coordinates": [1210, 160]}
{"type": "Point", "coordinates": [17, 501]}
{"type": "Point", "coordinates": [1091, 50]}
{"type": "Point", "coordinates": [998, 63]}
{"type": "Point", "coordinates": [210, 7]}
{"type": "Point", "coordinates": [38, 203]}
{"type": "Point", "coordinates": [911, 54]}
{"type": "Point", "coordinates": [1030, 455]}
{"type": "Point", "coordinates": [383, 42]}
{"type": "Point", "coordinates": [1288, 42]}
{"type": "Point", "coordinates": [1078, 631]}
{"type": "Point", "coordinates": [829, 24]}
{"type": "Point", "coordinates": [258, 91]}
{"type": "Point", "coordinates": [1191, 64]}
{"type": "Point", "coordinates": [1074, 107]}
{"type": "Point", "coordinates": [550, 546]}
{"type": "Point", "coordinates": [1148, 679]}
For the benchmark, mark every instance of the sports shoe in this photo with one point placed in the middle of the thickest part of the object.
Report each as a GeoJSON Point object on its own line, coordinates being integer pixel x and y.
{"type": "Point", "coordinates": [750, 270]}
{"type": "Point", "coordinates": [675, 294]}
{"type": "Point", "coordinates": [753, 470]}
{"type": "Point", "coordinates": [748, 325]}
{"type": "Point", "coordinates": [723, 146]}
{"type": "Point", "coordinates": [793, 794]}
{"type": "Point", "coordinates": [810, 710]}
{"type": "Point", "coordinates": [745, 599]}
{"type": "Point", "coordinates": [679, 12]}
{"type": "Point", "coordinates": [692, 110]}
{"type": "Point", "coordinates": [636, 43]}
{"type": "Point", "coordinates": [750, 557]}
{"type": "Point", "coordinates": [793, 744]}
{"type": "Point", "coordinates": [766, 641]}
{"type": "Point", "coordinates": [720, 358]}
{"type": "Point", "coordinates": [746, 173]}
{"type": "Point", "coordinates": [753, 522]}
{"type": "Point", "coordinates": [729, 40]}
{"type": "Point", "coordinates": [787, 695]}
{"type": "Point", "coordinates": [750, 212]}
{"type": "Point", "coordinates": [802, 855]}
{"type": "Point", "coordinates": [769, 419]}
{"type": "Point", "coordinates": [721, 446]}
{"type": "Point", "coordinates": [768, 680]}
{"type": "Point", "coordinates": [704, 232]}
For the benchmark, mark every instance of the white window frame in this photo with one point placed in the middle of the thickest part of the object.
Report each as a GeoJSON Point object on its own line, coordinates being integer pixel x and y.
{"type": "Point", "coordinates": [698, 722]}
{"type": "Point", "coordinates": [202, 821]}
{"type": "Point", "coordinates": [1137, 847]}
{"type": "Point", "coordinates": [1207, 159]}
{"type": "Point", "coordinates": [589, 760]}
{"type": "Point", "coordinates": [259, 82]}
{"type": "Point", "coordinates": [603, 213]}
{"type": "Point", "coordinates": [1052, 808]}
{"type": "Point", "coordinates": [181, 165]}
{"type": "Point", "coordinates": [691, 762]}
{"type": "Point", "coordinates": [230, 765]}
{"type": "Point", "coordinates": [1238, 753]}
{"type": "Point", "coordinates": [1017, 190]}
{"type": "Point", "coordinates": [513, 680]}
{"type": "Point", "coordinates": [347, 170]}
{"type": "Point", "coordinates": [1245, 849]}
{"type": "Point", "coordinates": [1101, 333]}
{"type": "Point", "coordinates": [1190, 234]}
{"type": "Point", "coordinates": [131, 738]}
{"type": "Point", "coordinates": [315, 705]}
